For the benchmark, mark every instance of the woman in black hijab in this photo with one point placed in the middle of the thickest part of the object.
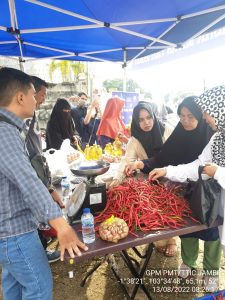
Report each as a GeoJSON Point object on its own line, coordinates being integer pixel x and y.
{"type": "Point", "coordinates": [146, 138]}
{"type": "Point", "coordinates": [151, 140]}
{"type": "Point", "coordinates": [185, 143]}
{"type": "Point", "coordinates": [60, 125]}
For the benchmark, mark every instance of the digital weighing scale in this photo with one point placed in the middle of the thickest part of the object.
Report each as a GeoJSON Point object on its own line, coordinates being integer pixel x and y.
{"type": "Point", "coordinates": [87, 193]}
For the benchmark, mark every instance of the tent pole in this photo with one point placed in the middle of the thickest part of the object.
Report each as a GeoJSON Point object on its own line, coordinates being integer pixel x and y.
{"type": "Point", "coordinates": [124, 79]}
{"type": "Point", "coordinates": [124, 70]}
{"type": "Point", "coordinates": [89, 80]}
{"type": "Point", "coordinates": [206, 28]}
{"type": "Point", "coordinates": [21, 64]}
{"type": "Point", "coordinates": [14, 25]}
{"type": "Point", "coordinates": [65, 28]}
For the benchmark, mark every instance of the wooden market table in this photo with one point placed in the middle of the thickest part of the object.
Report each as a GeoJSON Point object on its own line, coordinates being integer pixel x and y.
{"type": "Point", "coordinates": [103, 248]}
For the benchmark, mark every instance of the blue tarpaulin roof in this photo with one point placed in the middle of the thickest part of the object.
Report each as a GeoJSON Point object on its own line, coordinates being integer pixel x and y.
{"type": "Point", "coordinates": [103, 30]}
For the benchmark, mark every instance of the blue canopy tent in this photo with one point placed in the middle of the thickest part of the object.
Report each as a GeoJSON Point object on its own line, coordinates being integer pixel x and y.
{"type": "Point", "coordinates": [102, 30]}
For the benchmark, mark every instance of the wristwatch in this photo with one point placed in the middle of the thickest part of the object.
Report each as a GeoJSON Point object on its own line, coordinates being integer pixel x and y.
{"type": "Point", "coordinates": [51, 189]}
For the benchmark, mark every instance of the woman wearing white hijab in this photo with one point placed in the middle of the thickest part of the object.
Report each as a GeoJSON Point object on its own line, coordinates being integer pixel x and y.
{"type": "Point", "coordinates": [212, 103]}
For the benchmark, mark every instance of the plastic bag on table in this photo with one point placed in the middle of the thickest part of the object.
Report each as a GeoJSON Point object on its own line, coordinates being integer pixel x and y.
{"type": "Point", "coordinates": [73, 156]}
{"type": "Point", "coordinates": [57, 162]}
{"type": "Point", "coordinates": [60, 161]}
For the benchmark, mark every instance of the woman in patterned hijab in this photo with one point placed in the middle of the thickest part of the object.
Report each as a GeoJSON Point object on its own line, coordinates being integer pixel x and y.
{"type": "Point", "coordinates": [212, 103]}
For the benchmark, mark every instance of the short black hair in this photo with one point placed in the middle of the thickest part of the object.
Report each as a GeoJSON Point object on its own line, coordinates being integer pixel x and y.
{"type": "Point", "coordinates": [11, 82]}
{"type": "Point", "coordinates": [38, 83]}
{"type": "Point", "coordinates": [81, 94]}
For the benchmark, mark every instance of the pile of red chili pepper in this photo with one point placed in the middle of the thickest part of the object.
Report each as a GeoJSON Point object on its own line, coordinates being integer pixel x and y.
{"type": "Point", "coordinates": [145, 206]}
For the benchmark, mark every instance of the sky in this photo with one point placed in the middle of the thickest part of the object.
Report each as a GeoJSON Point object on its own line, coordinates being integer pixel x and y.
{"type": "Point", "coordinates": [191, 73]}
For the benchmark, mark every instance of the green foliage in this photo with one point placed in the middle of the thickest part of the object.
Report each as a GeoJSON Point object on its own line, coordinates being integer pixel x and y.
{"type": "Point", "coordinates": [53, 66]}
{"type": "Point", "coordinates": [67, 69]}
{"type": "Point", "coordinates": [148, 95]}
{"type": "Point", "coordinates": [113, 85]}
{"type": "Point", "coordinates": [132, 85]}
{"type": "Point", "coordinates": [117, 85]}
{"type": "Point", "coordinates": [77, 67]}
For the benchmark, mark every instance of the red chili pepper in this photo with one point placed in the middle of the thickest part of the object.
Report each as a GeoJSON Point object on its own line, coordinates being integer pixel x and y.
{"type": "Point", "coordinates": [145, 206]}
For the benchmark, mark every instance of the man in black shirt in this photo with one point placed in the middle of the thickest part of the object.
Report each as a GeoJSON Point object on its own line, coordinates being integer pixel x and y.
{"type": "Point", "coordinates": [34, 146]}
{"type": "Point", "coordinates": [85, 119]}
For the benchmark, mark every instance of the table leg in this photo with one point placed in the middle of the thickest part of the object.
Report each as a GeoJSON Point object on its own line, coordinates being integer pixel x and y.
{"type": "Point", "coordinates": [91, 272]}
{"type": "Point", "coordinates": [138, 271]}
{"type": "Point", "coordinates": [112, 264]}
{"type": "Point", "coordinates": [139, 253]}
{"type": "Point", "coordinates": [138, 274]}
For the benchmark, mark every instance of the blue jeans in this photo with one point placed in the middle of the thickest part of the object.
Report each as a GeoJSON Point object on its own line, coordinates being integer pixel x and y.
{"type": "Point", "coordinates": [26, 274]}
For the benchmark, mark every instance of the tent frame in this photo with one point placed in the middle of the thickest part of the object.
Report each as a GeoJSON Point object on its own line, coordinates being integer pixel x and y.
{"type": "Point", "coordinates": [94, 23]}
{"type": "Point", "coordinates": [15, 31]}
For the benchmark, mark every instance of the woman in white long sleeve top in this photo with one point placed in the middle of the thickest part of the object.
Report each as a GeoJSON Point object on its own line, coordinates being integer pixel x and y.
{"type": "Point", "coordinates": [212, 103]}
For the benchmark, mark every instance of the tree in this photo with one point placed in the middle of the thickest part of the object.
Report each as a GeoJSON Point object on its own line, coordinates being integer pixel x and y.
{"type": "Point", "coordinates": [68, 69]}
{"type": "Point", "coordinates": [117, 85]}
{"type": "Point", "coordinates": [113, 85]}
{"type": "Point", "coordinates": [132, 85]}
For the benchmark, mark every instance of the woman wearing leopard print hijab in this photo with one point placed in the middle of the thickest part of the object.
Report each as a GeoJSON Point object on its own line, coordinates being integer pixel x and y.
{"type": "Point", "coordinates": [212, 104]}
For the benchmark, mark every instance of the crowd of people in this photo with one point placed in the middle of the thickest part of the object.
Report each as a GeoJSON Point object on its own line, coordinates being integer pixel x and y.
{"type": "Point", "coordinates": [29, 200]}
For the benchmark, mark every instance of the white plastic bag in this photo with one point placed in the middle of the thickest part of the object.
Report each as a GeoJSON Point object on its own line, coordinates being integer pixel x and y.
{"type": "Point", "coordinates": [60, 161]}
{"type": "Point", "coordinates": [57, 162]}
{"type": "Point", "coordinates": [73, 156]}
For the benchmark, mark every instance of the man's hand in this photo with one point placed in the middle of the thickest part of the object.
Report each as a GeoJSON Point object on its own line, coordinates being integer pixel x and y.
{"type": "Point", "coordinates": [157, 173]}
{"type": "Point", "coordinates": [67, 237]}
{"type": "Point", "coordinates": [132, 167]}
{"type": "Point", "coordinates": [56, 197]}
{"type": "Point", "coordinates": [74, 99]}
{"type": "Point", "coordinates": [75, 140]}
{"type": "Point", "coordinates": [95, 103]}
{"type": "Point", "coordinates": [210, 169]}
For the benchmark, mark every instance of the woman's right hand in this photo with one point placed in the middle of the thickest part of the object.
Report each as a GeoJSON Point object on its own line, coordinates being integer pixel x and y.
{"type": "Point", "coordinates": [132, 167]}
{"type": "Point", "coordinates": [157, 173]}
{"type": "Point", "coordinates": [123, 138]}
{"type": "Point", "coordinates": [210, 169]}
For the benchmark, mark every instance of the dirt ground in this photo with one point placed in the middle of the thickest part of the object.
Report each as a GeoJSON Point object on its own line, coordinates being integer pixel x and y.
{"type": "Point", "coordinates": [102, 285]}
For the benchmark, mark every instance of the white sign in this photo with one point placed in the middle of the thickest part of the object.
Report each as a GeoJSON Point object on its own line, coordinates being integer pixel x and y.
{"type": "Point", "coordinates": [95, 198]}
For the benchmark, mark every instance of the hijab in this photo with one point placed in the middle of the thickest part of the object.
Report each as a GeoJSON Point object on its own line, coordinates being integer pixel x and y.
{"type": "Point", "coordinates": [213, 103]}
{"type": "Point", "coordinates": [184, 146]}
{"type": "Point", "coordinates": [60, 125]}
{"type": "Point", "coordinates": [111, 121]}
{"type": "Point", "coordinates": [151, 140]}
